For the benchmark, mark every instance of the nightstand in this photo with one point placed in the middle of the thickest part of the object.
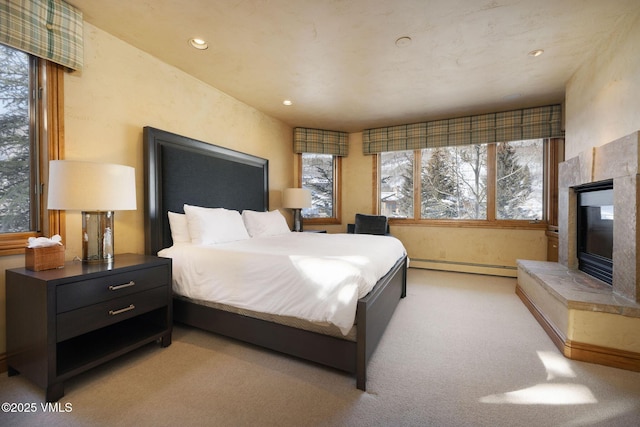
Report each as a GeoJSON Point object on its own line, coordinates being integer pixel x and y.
{"type": "Point", "coordinates": [63, 322]}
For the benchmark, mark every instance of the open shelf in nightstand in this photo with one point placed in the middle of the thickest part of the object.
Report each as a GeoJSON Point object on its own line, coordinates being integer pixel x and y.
{"type": "Point", "coordinates": [91, 349]}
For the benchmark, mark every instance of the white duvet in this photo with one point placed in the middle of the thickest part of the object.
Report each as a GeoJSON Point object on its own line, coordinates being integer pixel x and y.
{"type": "Point", "coordinates": [313, 276]}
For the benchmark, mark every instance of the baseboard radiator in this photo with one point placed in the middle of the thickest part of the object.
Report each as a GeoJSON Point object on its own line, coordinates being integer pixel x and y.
{"type": "Point", "coordinates": [464, 267]}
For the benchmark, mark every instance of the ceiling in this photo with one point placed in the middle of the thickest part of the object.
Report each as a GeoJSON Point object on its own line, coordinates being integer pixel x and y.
{"type": "Point", "coordinates": [339, 63]}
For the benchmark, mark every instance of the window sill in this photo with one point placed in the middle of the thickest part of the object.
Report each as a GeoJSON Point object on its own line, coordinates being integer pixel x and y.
{"type": "Point", "coordinates": [14, 243]}
{"type": "Point", "coordinates": [496, 224]}
{"type": "Point", "coordinates": [322, 221]}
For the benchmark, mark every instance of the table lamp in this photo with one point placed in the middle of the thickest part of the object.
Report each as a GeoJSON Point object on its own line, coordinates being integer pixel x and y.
{"type": "Point", "coordinates": [97, 190]}
{"type": "Point", "coordinates": [296, 199]}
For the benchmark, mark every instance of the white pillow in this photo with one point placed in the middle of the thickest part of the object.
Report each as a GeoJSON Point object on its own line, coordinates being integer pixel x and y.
{"type": "Point", "coordinates": [208, 226]}
{"type": "Point", "coordinates": [264, 223]}
{"type": "Point", "coordinates": [179, 228]}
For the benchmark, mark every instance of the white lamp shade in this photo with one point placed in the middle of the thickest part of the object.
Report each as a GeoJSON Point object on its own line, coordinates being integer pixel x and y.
{"type": "Point", "coordinates": [90, 186]}
{"type": "Point", "coordinates": [296, 198]}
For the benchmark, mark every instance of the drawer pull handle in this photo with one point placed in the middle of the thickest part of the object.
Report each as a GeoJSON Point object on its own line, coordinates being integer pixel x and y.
{"type": "Point", "coordinates": [122, 310]}
{"type": "Point", "coordinates": [124, 285]}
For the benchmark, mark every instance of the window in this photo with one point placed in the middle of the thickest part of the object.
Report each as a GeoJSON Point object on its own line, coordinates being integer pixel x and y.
{"type": "Point", "coordinates": [320, 173]}
{"type": "Point", "coordinates": [17, 136]}
{"type": "Point", "coordinates": [26, 145]}
{"type": "Point", "coordinates": [454, 182]}
{"type": "Point", "coordinates": [482, 182]}
{"type": "Point", "coordinates": [396, 184]}
{"type": "Point", "coordinates": [519, 180]}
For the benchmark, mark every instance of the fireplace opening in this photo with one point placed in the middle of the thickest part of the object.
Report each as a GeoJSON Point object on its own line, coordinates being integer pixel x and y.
{"type": "Point", "coordinates": [595, 229]}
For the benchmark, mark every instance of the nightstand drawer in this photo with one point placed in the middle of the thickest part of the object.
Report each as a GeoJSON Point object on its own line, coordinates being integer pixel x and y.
{"type": "Point", "coordinates": [85, 319]}
{"type": "Point", "coordinates": [92, 291]}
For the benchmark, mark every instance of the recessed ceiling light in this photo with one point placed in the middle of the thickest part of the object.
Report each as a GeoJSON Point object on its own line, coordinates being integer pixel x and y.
{"type": "Point", "coordinates": [536, 52]}
{"type": "Point", "coordinates": [198, 43]}
{"type": "Point", "coordinates": [287, 102]}
{"type": "Point", "coordinates": [403, 41]}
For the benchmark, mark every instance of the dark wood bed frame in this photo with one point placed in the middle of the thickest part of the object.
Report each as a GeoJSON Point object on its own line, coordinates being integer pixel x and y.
{"type": "Point", "coordinates": [179, 170]}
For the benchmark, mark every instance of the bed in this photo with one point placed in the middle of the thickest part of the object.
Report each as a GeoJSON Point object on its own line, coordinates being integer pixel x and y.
{"type": "Point", "coordinates": [180, 170]}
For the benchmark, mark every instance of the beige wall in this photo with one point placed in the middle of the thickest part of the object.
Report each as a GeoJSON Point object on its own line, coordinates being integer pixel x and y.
{"type": "Point", "coordinates": [603, 96]}
{"type": "Point", "coordinates": [122, 89]}
{"type": "Point", "coordinates": [5, 263]}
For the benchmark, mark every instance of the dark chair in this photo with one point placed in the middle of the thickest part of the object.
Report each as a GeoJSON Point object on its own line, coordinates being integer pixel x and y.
{"type": "Point", "coordinates": [369, 224]}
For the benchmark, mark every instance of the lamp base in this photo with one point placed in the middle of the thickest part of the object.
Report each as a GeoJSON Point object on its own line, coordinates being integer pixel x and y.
{"type": "Point", "coordinates": [97, 236]}
{"type": "Point", "coordinates": [297, 220]}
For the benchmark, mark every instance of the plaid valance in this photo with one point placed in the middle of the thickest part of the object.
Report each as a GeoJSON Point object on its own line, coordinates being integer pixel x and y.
{"type": "Point", "coordinates": [516, 125]}
{"type": "Point", "coordinates": [320, 141]}
{"type": "Point", "coordinates": [49, 29]}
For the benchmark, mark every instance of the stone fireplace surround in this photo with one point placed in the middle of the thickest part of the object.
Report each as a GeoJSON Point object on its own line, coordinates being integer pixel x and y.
{"type": "Point", "coordinates": [587, 319]}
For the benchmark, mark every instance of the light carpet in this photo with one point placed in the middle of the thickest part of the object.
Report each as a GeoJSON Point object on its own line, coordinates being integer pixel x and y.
{"type": "Point", "coordinates": [461, 350]}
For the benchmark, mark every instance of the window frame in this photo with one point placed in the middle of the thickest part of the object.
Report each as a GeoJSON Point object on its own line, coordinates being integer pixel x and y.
{"type": "Point", "coordinates": [549, 204]}
{"type": "Point", "coordinates": [337, 193]}
{"type": "Point", "coordinates": [49, 97]}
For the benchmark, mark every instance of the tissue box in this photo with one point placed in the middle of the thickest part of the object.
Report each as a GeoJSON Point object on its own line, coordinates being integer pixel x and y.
{"type": "Point", "coordinates": [45, 258]}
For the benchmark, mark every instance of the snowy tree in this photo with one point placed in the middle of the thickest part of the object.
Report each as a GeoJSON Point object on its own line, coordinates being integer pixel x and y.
{"type": "Point", "coordinates": [471, 171]}
{"type": "Point", "coordinates": [439, 186]}
{"type": "Point", "coordinates": [318, 177]}
{"type": "Point", "coordinates": [405, 189]}
{"type": "Point", "coordinates": [14, 141]}
{"type": "Point", "coordinates": [396, 183]}
{"type": "Point", "coordinates": [513, 183]}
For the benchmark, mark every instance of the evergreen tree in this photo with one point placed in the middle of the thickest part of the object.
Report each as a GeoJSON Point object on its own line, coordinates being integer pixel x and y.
{"type": "Point", "coordinates": [439, 188]}
{"type": "Point", "coordinates": [513, 183]}
{"type": "Point", "coordinates": [318, 173]}
{"type": "Point", "coordinates": [14, 141]}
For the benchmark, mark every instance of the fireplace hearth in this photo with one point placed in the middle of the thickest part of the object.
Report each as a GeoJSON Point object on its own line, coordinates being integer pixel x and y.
{"type": "Point", "coordinates": [587, 318]}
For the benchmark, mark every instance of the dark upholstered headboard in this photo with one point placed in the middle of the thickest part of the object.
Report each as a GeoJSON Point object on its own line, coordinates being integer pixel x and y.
{"type": "Point", "coordinates": [179, 170]}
